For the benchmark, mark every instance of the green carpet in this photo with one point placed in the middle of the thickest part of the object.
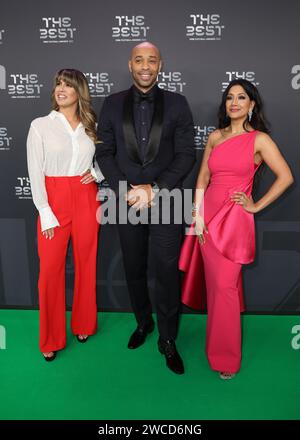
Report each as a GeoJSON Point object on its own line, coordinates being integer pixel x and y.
{"type": "Point", "coordinates": [102, 379]}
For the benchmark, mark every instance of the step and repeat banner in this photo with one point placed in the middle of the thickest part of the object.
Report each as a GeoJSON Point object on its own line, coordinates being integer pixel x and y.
{"type": "Point", "coordinates": [204, 45]}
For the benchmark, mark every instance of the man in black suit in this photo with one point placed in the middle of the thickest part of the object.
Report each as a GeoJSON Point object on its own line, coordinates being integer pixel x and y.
{"type": "Point", "coordinates": [147, 141]}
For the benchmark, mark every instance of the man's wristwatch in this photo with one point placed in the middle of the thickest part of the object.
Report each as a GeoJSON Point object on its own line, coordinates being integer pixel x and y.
{"type": "Point", "coordinates": [155, 188]}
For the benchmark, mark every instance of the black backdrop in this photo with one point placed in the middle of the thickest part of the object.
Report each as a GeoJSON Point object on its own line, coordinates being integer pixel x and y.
{"type": "Point", "coordinates": [204, 45]}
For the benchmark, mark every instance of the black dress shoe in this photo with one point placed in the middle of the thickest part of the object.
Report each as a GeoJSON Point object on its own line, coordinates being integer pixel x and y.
{"type": "Point", "coordinates": [173, 359]}
{"type": "Point", "coordinates": [50, 358]}
{"type": "Point", "coordinates": [83, 340]}
{"type": "Point", "coordinates": [138, 337]}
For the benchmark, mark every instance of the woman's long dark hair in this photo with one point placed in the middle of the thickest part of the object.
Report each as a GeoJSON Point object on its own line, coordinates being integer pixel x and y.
{"type": "Point", "coordinates": [258, 120]}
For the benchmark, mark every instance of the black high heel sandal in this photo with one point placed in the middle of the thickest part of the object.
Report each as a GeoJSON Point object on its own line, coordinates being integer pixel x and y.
{"type": "Point", "coordinates": [50, 358]}
{"type": "Point", "coordinates": [81, 340]}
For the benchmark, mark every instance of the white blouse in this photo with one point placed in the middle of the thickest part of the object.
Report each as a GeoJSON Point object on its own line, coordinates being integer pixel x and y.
{"type": "Point", "coordinates": [55, 149]}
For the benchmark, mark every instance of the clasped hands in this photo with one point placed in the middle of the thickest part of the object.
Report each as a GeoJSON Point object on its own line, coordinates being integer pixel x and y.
{"type": "Point", "coordinates": [140, 196]}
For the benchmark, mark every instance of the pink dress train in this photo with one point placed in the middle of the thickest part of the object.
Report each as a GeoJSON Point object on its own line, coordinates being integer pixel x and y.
{"type": "Point", "coordinates": [213, 271]}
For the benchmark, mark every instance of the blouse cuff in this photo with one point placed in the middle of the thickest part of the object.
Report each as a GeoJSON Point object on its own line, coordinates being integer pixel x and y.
{"type": "Point", "coordinates": [48, 219]}
{"type": "Point", "coordinates": [96, 173]}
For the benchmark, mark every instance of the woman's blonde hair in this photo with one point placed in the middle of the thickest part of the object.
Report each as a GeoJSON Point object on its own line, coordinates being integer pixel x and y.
{"type": "Point", "coordinates": [85, 112]}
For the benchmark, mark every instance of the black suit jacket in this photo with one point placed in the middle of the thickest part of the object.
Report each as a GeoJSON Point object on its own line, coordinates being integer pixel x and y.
{"type": "Point", "coordinates": [170, 153]}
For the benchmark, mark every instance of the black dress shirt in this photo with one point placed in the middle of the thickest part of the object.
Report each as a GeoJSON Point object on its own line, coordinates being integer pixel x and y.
{"type": "Point", "coordinates": [143, 114]}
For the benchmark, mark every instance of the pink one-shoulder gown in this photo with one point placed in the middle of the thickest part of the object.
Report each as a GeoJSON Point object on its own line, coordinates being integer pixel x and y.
{"type": "Point", "coordinates": [230, 243]}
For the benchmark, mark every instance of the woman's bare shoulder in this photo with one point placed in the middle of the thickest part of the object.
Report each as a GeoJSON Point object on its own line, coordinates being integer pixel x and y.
{"type": "Point", "coordinates": [214, 137]}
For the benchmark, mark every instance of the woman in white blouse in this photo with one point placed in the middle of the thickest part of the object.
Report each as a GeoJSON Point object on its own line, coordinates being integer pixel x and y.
{"type": "Point", "coordinates": [60, 150]}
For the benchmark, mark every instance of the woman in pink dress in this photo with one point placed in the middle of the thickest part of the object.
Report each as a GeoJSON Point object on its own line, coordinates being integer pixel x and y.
{"type": "Point", "coordinates": [223, 219]}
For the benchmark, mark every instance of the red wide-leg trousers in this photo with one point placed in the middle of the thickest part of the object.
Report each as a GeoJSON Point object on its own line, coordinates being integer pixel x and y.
{"type": "Point", "coordinates": [75, 205]}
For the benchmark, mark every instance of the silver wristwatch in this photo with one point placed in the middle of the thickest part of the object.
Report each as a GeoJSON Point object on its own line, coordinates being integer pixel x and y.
{"type": "Point", "coordinates": [155, 188]}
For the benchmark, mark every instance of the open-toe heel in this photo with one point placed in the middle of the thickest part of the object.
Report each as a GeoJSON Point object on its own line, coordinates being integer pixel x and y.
{"type": "Point", "coordinates": [226, 376]}
{"type": "Point", "coordinates": [50, 358]}
{"type": "Point", "coordinates": [83, 340]}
